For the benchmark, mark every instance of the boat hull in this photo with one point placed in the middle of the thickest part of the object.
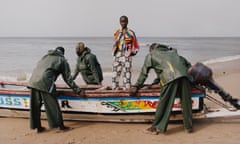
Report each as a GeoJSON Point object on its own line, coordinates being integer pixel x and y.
{"type": "Point", "coordinates": [97, 105]}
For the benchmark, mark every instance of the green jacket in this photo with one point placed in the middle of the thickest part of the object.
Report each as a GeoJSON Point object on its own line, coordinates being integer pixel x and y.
{"type": "Point", "coordinates": [47, 71]}
{"type": "Point", "coordinates": [89, 67]}
{"type": "Point", "coordinates": [167, 64]}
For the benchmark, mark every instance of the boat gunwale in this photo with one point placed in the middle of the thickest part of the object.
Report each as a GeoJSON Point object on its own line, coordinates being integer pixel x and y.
{"type": "Point", "coordinates": [90, 91]}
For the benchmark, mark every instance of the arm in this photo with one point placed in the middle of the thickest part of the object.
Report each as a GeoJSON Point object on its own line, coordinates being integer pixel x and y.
{"type": "Point", "coordinates": [144, 72]}
{"type": "Point", "coordinates": [143, 75]}
{"type": "Point", "coordinates": [66, 74]}
{"type": "Point", "coordinates": [116, 41]}
{"type": "Point", "coordinates": [76, 71]}
{"type": "Point", "coordinates": [93, 65]}
{"type": "Point", "coordinates": [186, 62]}
{"type": "Point", "coordinates": [135, 44]}
{"type": "Point", "coordinates": [156, 81]}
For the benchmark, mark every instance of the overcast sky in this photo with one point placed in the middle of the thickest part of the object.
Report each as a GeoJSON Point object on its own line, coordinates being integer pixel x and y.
{"type": "Point", "coordinates": [101, 17]}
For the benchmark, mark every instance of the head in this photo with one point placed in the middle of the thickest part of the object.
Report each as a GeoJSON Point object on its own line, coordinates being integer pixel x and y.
{"type": "Point", "coordinates": [60, 50]}
{"type": "Point", "coordinates": [152, 46]}
{"type": "Point", "coordinates": [80, 48]}
{"type": "Point", "coordinates": [123, 21]}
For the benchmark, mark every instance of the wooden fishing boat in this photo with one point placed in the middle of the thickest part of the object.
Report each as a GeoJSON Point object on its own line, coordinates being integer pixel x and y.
{"type": "Point", "coordinates": [99, 103]}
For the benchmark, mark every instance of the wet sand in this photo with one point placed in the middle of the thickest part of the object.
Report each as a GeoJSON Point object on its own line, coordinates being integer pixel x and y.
{"type": "Point", "coordinates": [207, 131]}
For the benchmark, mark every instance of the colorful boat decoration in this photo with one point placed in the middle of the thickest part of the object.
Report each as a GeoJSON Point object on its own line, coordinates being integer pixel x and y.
{"type": "Point", "coordinates": [98, 104]}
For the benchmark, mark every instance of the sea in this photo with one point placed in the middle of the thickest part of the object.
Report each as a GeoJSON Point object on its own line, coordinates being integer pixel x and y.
{"type": "Point", "coordinates": [19, 55]}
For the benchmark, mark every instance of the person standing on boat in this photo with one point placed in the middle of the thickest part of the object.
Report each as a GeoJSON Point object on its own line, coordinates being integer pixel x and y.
{"type": "Point", "coordinates": [88, 66]}
{"type": "Point", "coordinates": [125, 46]}
{"type": "Point", "coordinates": [42, 89]}
{"type": "Point", "coordinates": [171, 69]}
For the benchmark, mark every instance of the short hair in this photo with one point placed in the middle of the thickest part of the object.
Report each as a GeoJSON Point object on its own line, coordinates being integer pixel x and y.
{"type": "Point", "coordinates": [81, 45]}
{"type": "Point", "coordinates": [124, 17]}
{"type": "Point", "coordinates": [153, 46]}
{"type": "Point", "coordinates": [60, 49]}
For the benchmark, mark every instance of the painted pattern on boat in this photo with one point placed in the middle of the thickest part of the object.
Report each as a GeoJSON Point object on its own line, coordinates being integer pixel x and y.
{"type": "Point", "coordinates": [98, 104]}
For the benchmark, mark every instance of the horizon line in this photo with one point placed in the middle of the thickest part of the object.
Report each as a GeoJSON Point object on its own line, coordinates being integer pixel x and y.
{"type": "Point", "coordinates": [112, 36]}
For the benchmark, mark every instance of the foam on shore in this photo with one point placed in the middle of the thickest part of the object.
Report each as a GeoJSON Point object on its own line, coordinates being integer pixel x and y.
{"type": "Point", "coordinates": [107, 73]}
{"type": "Point", "coordinates": [222, 59]}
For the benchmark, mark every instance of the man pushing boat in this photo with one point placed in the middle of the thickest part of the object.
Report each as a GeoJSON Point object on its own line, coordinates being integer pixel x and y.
{"type": "Point", "coordinates": [171, 70]}
{"type": "Point", "coordinates": [42, 89]}
{"type": "Point", "coordinates": [175, 76]}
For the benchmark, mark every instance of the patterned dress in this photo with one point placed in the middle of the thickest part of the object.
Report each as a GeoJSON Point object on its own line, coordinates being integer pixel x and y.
{"type": "Point", "coordinates": [124, 48]}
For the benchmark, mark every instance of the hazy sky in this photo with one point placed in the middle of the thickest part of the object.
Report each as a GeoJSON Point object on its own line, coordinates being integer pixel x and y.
{"type": "Point", "coordinates": [101, 17]}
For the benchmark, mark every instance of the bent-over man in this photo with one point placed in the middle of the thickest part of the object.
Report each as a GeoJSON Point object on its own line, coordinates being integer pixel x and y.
{"type": "Point", "coordinates": [42, 89]}
{"type": "Point", "coordinates": [87, 65]}
{"type": "Point", "coordinates": [171, 70]}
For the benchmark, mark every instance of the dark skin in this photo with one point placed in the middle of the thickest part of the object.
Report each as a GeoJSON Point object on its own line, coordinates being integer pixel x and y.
{"type": "Point", "coordinates": [78, 51]}
{"type": "Point", "coordinates": [152, 47]}
{"type": "Point", "coordinates": [123, 22]}
{"type": "Point", "coordinates": [80, 48]}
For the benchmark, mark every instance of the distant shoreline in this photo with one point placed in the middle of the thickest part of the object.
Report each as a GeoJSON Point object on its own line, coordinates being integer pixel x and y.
{"type": "Point", "coordinates": [70, 37]}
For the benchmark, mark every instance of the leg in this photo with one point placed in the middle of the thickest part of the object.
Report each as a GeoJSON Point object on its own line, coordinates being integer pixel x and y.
{"type": "Point", "coordinates": [35, 108]}
{"type": "Point", "coordinates": [127, 74]}
{"type": "Point", "coordinates": [185, 95]}
{"type": "Point", "coordinates": [117, 68]}
{"type": "Point", "coordinates": [54, 114]}
{"type": "Point", "coordinates": [164, 107]}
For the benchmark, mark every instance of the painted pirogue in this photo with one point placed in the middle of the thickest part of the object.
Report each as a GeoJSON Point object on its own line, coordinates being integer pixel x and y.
{"type": "Point", "coordinates": [98, 103]}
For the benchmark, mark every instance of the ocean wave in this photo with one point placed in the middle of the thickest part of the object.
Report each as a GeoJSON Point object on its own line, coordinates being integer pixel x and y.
{"type": "Point", "coordinates": [222, 59]}
{"type": "Point", "coordinates": [107, 72]}
{"type": "Point", "coordinates": [23, 76]}
{"type": "Point", "coordinates": [144, 44]}
{"type": "Point", "coordinates": [8, 78]}
{"type": "Point", "coordinates": [26, 76]}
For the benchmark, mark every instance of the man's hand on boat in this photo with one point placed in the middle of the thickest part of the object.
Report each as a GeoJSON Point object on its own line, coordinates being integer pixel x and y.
{"type": "Point", "coordinates": [82, 93]}
{"type": "Point", "coordinates": [133, 91]}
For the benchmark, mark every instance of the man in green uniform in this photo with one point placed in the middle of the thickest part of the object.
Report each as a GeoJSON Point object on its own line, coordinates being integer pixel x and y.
{"type": "Point", "coordinates": [87, 65]}
{"type": "Point", "coordinates": [42, 89]}
{"type": "Point", "coordinates": [171, 70]}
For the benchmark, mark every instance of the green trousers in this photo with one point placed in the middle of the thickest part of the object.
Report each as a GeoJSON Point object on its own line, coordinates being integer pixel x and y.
{"type": "Point", "coordinates": [182, 88]}
{"type": "Point", "coordinates": [53, 112]}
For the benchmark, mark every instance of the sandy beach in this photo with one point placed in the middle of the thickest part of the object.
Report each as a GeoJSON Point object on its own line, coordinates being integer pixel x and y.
{"type": "Point", "coordinates": [207, 131]}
